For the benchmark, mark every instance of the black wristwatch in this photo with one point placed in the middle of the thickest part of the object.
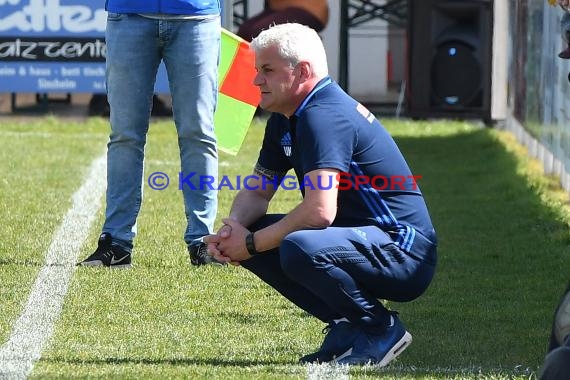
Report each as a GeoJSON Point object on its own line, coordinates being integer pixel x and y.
{"type": "Point", "coordinates": [250, 245]}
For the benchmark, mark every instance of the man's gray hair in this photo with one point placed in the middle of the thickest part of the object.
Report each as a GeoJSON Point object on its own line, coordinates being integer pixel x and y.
{"type": "Point", "coordinates": [295, 43]}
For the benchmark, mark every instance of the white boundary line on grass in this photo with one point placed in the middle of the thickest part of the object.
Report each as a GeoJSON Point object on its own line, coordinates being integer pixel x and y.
{"type": "Point", "coordinates": [35, 325]}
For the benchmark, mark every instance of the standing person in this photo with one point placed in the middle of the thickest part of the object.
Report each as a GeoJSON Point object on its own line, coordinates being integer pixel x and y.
{"type": "Point", "coordinates": [313, 13]}
{"type": "Point", "coordinates": [362, 231]}
{"type": "Point", "coordinates": [564, 26]}
{"type": "Point", "coordinates": [556, 364]}
{"type": "Point", "coordinates": [185, 34]}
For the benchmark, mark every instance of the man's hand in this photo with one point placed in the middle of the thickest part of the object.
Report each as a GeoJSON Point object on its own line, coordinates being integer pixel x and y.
{"type": "Point", "coordinates": [228, 245]}
{"type": "Point", "coordinates": [233, 245]}
{"type": "Point", "coordinates": [214, 240]}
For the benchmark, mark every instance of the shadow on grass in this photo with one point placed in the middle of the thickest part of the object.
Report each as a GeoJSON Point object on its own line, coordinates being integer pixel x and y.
{"type": "Point", "coordinates": [502, 257]}
{"type": "Point", "coordinates": [170, 362]}
{"type": "Point", "coordinates": [19, 262]}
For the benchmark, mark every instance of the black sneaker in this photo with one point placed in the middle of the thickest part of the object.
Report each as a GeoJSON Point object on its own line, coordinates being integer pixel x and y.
{"type": "Point", "coordinates": [199, 255]}
{"type": "Point", "coordinates": [107, 255]}
{"type": "Point", "coordinates": [336, 345]}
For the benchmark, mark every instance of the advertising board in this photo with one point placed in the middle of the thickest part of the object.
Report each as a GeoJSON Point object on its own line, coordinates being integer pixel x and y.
{"type": "Point", "coordinates": [55, 46]}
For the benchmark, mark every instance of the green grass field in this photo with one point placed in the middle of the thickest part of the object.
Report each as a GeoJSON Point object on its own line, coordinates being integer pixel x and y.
{"type": "Point", "coordinates": [503, 264]}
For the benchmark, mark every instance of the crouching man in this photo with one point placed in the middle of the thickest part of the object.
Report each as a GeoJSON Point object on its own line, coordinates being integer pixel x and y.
{"type": "Point", "coordinates": [354, 239]}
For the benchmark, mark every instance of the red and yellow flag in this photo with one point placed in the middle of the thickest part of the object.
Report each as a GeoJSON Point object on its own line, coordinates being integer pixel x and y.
{"type": "Point", "coordinates": [237, 97]}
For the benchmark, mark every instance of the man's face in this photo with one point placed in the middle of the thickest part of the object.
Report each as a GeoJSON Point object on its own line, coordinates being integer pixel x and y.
{"type": "Point", "coordinates": [277, 81]}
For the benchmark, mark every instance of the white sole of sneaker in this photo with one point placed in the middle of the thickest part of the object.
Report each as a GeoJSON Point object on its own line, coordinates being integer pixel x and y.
{"type": "Point", "coordinates": [396, 350]}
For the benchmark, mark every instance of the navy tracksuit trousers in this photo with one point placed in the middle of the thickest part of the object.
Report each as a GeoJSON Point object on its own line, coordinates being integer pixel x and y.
{"type": "Point", "coordinates": [343, 272]}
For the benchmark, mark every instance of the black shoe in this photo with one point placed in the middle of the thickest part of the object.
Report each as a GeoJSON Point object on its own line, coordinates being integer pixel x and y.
{"type": "Point", "coordinates": [199, 255]}
{"type": "Point", "coordinates": [107, 255]}
{"type": "Point", "coordinates": [336, 345]}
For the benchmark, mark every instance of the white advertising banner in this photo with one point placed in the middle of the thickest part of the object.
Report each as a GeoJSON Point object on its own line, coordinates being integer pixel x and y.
{"type": "Point", "coordinates": [55, 46]}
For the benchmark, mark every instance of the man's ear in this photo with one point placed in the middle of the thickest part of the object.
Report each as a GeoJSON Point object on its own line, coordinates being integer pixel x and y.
{"type": "Point", "coordinates": [305, 70]}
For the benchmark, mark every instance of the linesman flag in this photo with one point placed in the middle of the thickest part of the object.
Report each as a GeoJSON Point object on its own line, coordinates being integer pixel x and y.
{"type": "Point", "coordinates": [237, 96]}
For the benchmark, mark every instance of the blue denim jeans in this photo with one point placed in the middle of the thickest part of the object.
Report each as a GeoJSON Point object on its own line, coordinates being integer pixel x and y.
{"type": "Point", "coordinates": [190, 50]}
